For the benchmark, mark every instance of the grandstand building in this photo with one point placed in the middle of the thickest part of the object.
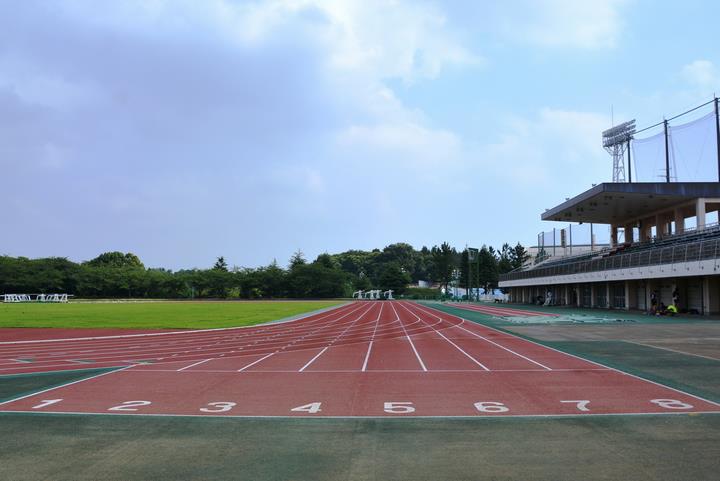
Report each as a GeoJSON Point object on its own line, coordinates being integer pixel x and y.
{"type": "Point", "coordinates": [656, 254]}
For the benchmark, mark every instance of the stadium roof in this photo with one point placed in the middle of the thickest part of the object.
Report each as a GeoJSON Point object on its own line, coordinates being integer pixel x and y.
{"type": "Point", "coordinates": [616, 203]}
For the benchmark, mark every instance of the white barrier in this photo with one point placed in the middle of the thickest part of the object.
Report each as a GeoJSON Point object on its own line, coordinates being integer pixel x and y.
{"type": "Point", "coordinates": [55, 298]}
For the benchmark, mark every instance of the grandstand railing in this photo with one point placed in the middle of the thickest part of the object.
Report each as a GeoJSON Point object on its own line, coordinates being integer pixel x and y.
{"type": "Point", "coordinates": [677, 250]}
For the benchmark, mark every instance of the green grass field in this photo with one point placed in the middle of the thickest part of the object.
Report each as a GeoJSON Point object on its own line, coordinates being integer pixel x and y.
{"type": "Point", "coordinates": [154, 315]}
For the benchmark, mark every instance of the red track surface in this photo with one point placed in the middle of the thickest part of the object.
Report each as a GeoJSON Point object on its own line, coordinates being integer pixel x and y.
{"type": "Point", "coordinates": [362, 359]}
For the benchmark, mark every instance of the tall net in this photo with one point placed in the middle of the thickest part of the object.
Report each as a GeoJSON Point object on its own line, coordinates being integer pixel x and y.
{"type": "Point", "coordinates": [649, 159]}
{"type": "Point", "coordinates": [692, 153]}
{"type": "Point", "coordinates": [694, 150]}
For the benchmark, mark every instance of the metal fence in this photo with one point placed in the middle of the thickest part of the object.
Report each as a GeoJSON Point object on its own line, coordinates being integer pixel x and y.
{"type": "Point", "coordinates": [647, 256]}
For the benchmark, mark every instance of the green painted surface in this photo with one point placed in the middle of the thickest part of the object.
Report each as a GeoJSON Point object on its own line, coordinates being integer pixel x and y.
{"type": "Point", "coordinates": [684, 447]}
{"type": "Point", "coordinates": [14, 386]}
{"type": "Point", "coordinates": [153, 315]}
{"type": "Point", "coordinates": [689, 373]}
{"type": "Point", "coordinates": [567, 315]}
{"type": "Point", "coordinates": [64, 447]}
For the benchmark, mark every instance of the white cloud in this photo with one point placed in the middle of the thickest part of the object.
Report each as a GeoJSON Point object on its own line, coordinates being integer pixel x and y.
{"type": "Point", "coordinates": [702, 74]}
{"type": "Point", "coordinates": [562, 23]}
{"type": "Point", "coordinates": [382, 38]}
{"type": "Point", "coordinates": [555, 147]}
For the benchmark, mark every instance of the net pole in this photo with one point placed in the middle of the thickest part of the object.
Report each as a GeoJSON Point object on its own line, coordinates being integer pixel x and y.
{"type": "Point", "coordinates": [667, 153]}
{"type": "Point", "coordinates": [717, 134]}
{"type": "Point", "coordinates": [629, 163]}
{"type": "Point", "coordinates": [469, 273]}
{"type": "Point", "coordinates": [477, 259]}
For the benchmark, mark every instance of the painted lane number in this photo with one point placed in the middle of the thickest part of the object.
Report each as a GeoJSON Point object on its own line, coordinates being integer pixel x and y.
{"type": "Point", "coordinates": [671, 404]}
{"type": "Point", "coordinates": [311, 408]}
{"type": "Point", "coordinates": [218, 407]}
{"type": "Point", "coordinates": [46, 402]}
{"type": "Point", "coordinates": [491, 407]}
{"type": "Point", "coordinates": [580, 404]}
{"type": "Point", "coordinates": [129, 406]}
{"type": "Point", "coordinates": [401, 407]}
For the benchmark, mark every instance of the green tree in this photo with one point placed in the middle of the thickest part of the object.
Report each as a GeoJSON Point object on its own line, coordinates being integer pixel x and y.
{"type": "Point", "coordinates": [488, 269]}
{"type": "Point", "coordinates": [444, 263]}
{"type": "Point", "coordinates": [395, 278]}
{"type": "Point", "coordinates": [518, 256]}
{"type": "Point", "coordinates": [297, 259]}
{"type": "Point", "coordinates": [505, 259]}
{"type": "Point", "coordinates": [116, 259]}
{"type": "Point", "coordinates": [220, 264]}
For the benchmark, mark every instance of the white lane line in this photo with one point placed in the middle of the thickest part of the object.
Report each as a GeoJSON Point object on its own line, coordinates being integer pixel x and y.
{"type": "Point", "coordinates": [598, 364]}
{"type": "Point", "coordinates": [195, 364]}
{"type": "Point", "coordinates": [422, 364]}
{"type": "Point", "coordinates": [367, 357]}
{"type": "Point", "coordinates": [503, 347]}
{"type": "Point", "coordinates": [673, 350]}
{"type": "Point", "coordinates": [350, 371]}
{"type": "Point", "coordinates": [64, 385]}
{"type": "Point", "coordinates": [313, 359]}
{"type": "Point", "coordinates": [448, 340]}
{"type": "Point", "coordinates": [255, 362]}
{"type": "Point", "coordinates": [492, 342]}
{"type": "Point", "coordinates": [152, 353]}
{"type": "Point", "coordinates": [339, 336]}
{"type": "Point", "coordinates": [382, 416]}
{"type": "Point", "coordinates": [372, 339]}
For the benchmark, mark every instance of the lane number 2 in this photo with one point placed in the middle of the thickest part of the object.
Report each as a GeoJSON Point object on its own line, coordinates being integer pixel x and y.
{"type": "Point", "coordinates": [129, 406]}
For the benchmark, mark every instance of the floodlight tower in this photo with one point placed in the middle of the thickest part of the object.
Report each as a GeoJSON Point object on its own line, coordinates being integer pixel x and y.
{"type": "Point", "coordinates": [616, 141]}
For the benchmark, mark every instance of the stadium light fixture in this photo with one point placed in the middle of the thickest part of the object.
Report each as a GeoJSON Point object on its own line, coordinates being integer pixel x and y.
{"type": "Point", "coordinates": [616, 141]}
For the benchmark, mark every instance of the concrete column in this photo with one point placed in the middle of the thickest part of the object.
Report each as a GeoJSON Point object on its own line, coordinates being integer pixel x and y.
{"type": "Point", "coordinates": [711, 295]}
{"type": "Point", "coordinates": [629, 233]}
{"type": "Point", "coordinates": [649, 287]}
{"type": "Point", "coordinates": [679, 221]}
{"type": "Point", "coordinates": [700, 213]}
{"type": "Point", "coordinates": [660, 225]}
{"type": "Point", "coordinates": [592, 295]}
{"type": "Point", "coordinates": [608, 297]}
{"type": "Point", "coordinates": [578, 297]}
{"type": "Point", "coordinates": [627, 295]}
{"type": "Point", "coordinates": [613, 235]}
{"type": "Point", "coordinates": [568, 299]}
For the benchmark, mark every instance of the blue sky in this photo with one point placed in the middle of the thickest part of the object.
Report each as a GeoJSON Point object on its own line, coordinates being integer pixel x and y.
{"type": "Point", "coordinates": [185, 130]}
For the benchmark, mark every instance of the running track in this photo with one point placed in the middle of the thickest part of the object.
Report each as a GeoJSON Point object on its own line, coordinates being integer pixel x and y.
{"type": "Point", "coordinates": [361, 359]}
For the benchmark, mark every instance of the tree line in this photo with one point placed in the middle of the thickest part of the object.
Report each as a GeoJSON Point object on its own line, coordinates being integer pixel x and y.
{"type": "Point", "coordinates": [397, 266]}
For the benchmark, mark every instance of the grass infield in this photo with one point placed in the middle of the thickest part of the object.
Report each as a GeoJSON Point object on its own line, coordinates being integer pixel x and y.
{"type": "Point", "coordinates": [154, 315]}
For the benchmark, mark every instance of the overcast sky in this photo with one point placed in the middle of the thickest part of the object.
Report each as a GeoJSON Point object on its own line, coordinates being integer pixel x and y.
{"type": "Point", "coordinates": [185, 130]}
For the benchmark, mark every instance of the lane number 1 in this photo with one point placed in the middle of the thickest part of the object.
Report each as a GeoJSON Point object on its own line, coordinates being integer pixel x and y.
{"type": "Point", "coordinates": [46, 403]}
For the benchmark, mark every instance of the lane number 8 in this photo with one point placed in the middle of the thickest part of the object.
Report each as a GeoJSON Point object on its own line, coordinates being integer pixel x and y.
{"type": "Point", "coordinates": [671, 404]}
